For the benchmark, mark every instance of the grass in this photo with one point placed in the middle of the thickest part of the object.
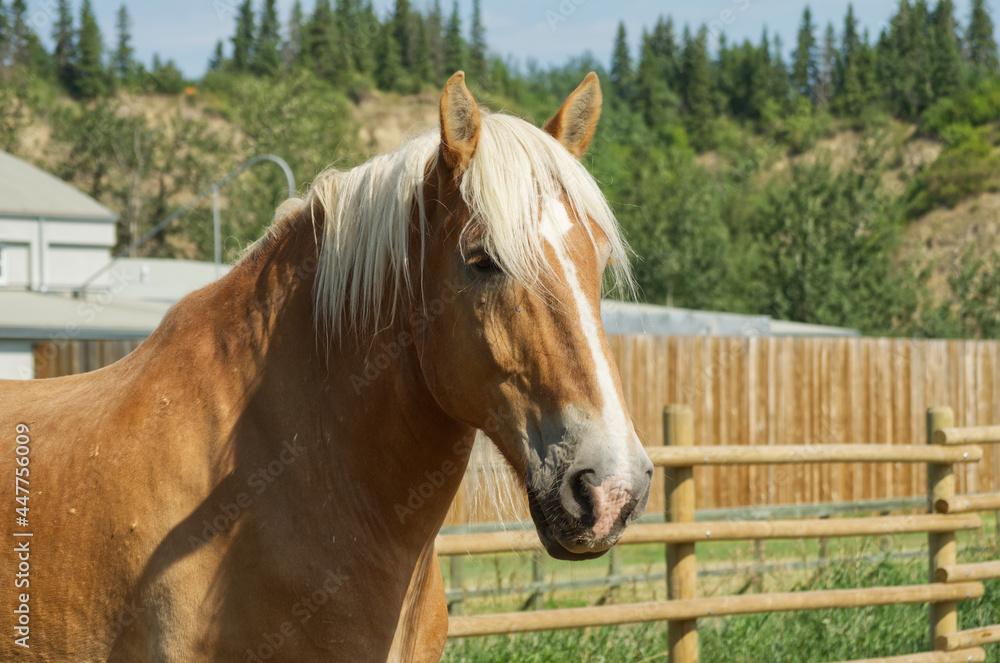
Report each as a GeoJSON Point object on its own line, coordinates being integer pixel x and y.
{"type": "Point", "coordinates": [796, 637]}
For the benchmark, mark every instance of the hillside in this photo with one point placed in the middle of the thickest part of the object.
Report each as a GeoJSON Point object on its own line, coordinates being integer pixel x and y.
{"type": "Point", "coordinates": [214, 137]}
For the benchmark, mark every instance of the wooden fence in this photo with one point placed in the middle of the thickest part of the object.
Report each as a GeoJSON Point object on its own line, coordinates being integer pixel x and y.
{"type": "Point", "coordinates": [946, 451]}
{"type": "Point", "coordinates": [769, 392]}
{"type": "Point", "coordinates": [55, 359]}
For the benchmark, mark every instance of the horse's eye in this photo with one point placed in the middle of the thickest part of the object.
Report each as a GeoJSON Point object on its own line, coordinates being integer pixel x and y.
{"type": "Point", "coordinates": [482, 263]}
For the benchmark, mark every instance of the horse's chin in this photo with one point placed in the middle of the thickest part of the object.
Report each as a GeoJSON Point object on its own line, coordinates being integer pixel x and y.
{"type": "Point", "coordinates": [557, 550]}
{"type": "Point", "coordinates": [567, 548]}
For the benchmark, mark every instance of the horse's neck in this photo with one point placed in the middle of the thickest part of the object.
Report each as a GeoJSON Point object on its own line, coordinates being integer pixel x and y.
{"type": "Point", "coordinates": [377, 444]}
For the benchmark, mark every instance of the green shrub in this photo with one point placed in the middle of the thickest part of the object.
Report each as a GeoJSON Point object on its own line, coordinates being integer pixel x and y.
{"type": "Point", "coordinates": [967, 167]}
{"type": "Point", "coordinates": [975, 107]}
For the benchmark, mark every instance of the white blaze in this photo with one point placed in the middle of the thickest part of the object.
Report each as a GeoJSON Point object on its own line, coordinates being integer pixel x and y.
{"type": "Point", "coordinates": [555, 225]}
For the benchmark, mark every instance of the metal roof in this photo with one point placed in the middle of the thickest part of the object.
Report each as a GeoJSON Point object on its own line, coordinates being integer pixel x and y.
{"type": "Point", "coordinates": [653, 320]}
{"type": "Point", "coordinates": [27, 191]}
{"type": "Point", "coordinates": [47, 316]}
{"type": "Point", "coordinates": [159, 279]}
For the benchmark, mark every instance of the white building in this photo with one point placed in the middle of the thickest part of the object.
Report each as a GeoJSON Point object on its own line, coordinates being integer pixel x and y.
{"type": "Point", "coordinates": [53, 238]}
{"type": "Point", "coordinates": [50, 233]}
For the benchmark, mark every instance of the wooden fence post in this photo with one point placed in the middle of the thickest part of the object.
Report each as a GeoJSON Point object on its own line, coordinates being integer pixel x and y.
{"type": "Point", "coordinates": [614, 570]}
{"type": "Point", "coordinates": [940, 545]}
{"type": "Point", "coordinates": [457, 606]}
{"type": "Point", "coordinates": [682, 572]}
{"type": "Point", "coordinates": [537, 578]}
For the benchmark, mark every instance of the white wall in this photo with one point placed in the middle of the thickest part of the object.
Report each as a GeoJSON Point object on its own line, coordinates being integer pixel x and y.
{"type": "Point", "coordinates": [17, 360]}
{"type": "Point", "coordinates": [16, 265]}
{"type": "Point", "coordinates": [76, 249]}
{"type": "Point", "coordinates": [66, 267]}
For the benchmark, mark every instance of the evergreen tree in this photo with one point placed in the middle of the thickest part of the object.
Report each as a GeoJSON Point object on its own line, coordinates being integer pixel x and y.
{"type": "Point", "coordinates": [353, 41]}
{"type": "Point", "coordinates": [827, 62]}
{"type": "Point", "coordinates": [621, 67]}
{"type": "Point", "coordinates": [869, 68]}
{"type": "Point", "coordinates": [946, 53]}
{"type": "Point", "coordinates": [318, 38]}
{"type": "Point", "coordinates": [436, 41]}
{"type": "Point", "coordinates": [730, 78]}
{"type": "Point", "coordinates": [4, 34]}
{"type": "Point", "coordinates": [759, 76]}
{"type": "Point", "coordinates": [402, 29]}
{"type": "Point", "coordinates": [697, 90]}
{"type": "Point", "coordinates": [454, 45]}
{"type": "Point", "coordinates": [122, 61]}
{"type": "Point", "coordinates": [804, 66]}
{"type": "Point", "coordinates": [218, 60]}
{"type": "Point", "coordinates": [919, 60]}
{"type": "Point", "coordinates": [780, 79]}
{"type": "Point", "coordinates": [266, 58]}
{"type": "Point", "coordinates": [64, 52]}
{"type": "Point", "coordinates": [423, 64]}
{"type": "Point", "coordinates": [388, 62]}
{"type": "Point", "coordinates": [654, 97]}
{"type": "Point", "coordinates": [20, 34]}
{"type": "Point", "coordinates": [904, 78]}
{"type": "Point", "coordinates": [243, 39]}
{"type": "Point", "coordinates": [664, 44]}
{"type": "Point", "coordinates": [850, 96]}
{"type": "Point", "coordinates": [477, 47]}
{"type": "Point", "coordinates": [90, 79]}
{"type": "Point", "coordinates": [291, 51]}
{"type": "Point", "coordinates": [980, 44]}
{"type": "Point", "coordinates": [364, 36]}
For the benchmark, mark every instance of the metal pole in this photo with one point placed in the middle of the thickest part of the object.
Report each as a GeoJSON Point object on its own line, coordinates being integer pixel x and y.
{"type": "Point", "coordinates": [43, 247]}
{"type": "Point", "coordinates": [211, 189]}
{"type": "Point", "coordinates": [217, 232]}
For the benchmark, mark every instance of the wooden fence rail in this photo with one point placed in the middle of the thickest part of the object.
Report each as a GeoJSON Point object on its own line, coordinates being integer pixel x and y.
{"type": "Point", "coordinates": [717, 606]}
{"type": "Point", "coordinates": [678, 532]}
{"type": "Point", "coordinates": [950, 582]}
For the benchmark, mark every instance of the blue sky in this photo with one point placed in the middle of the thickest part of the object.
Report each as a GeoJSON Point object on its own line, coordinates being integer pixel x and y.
{"type": "Point", "coordinates": [551, 31]}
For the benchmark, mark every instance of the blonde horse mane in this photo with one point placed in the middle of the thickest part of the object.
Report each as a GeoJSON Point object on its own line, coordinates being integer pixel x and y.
{"type": "Point", "coordinates": [368, 211]}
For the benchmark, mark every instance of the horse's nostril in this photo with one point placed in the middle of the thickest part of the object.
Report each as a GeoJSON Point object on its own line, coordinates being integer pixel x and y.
{"type": "Point", "coordinates": [588, 478]}
{"type": "Point", "coordinates": [576, 495]}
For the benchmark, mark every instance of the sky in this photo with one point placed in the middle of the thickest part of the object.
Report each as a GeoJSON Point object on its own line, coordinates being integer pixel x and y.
{"type": "Point", "coordinates": [549, 31]}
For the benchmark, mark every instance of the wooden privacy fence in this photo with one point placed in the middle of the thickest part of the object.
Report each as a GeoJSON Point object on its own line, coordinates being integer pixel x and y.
{"type": "Point", "coordinates": [775, 391]}
{"type": "Point", "coordinates": [947, 448]}
{"type": "Point", "coordinates": [55, 359]}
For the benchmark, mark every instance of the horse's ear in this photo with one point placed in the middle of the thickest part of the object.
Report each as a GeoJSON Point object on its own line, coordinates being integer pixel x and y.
{"type": "Point", "coordinates": [459, 123]}
{"type": "Point", "coordinates": [574, 124]}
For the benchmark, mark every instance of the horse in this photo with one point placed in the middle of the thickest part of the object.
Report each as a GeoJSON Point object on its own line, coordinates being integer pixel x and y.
{"type": "Point", "coordinates": [263, 478]}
